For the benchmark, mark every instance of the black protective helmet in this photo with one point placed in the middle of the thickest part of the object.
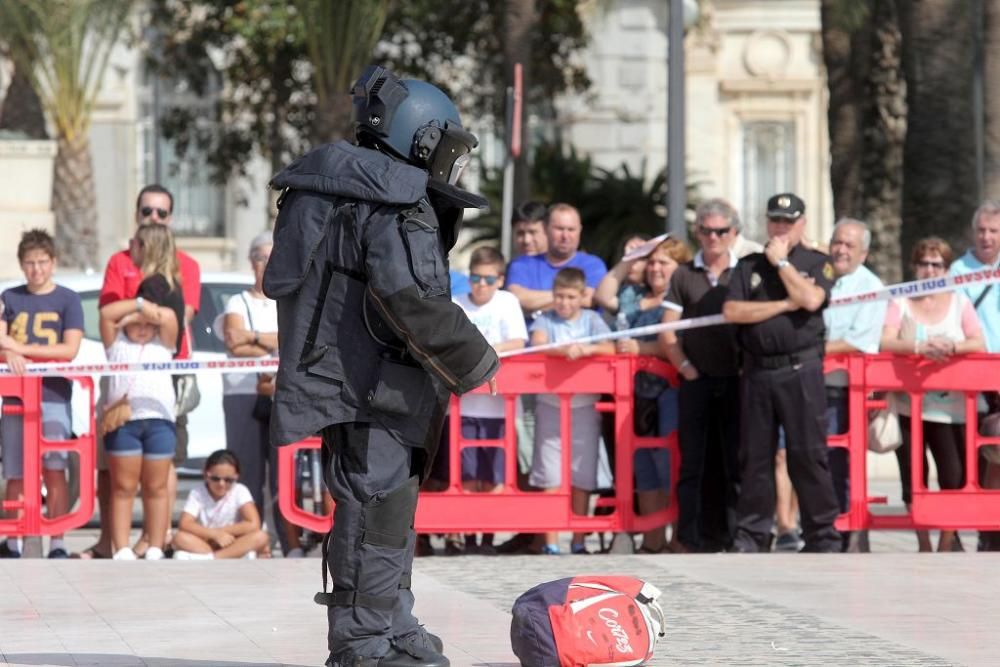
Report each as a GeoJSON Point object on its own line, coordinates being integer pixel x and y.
{"type": "Point", "coordinates": [412, 120]}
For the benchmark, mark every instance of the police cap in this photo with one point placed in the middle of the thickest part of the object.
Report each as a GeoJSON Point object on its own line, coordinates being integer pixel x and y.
{"type": "Point", "coordinates": [785, 205]}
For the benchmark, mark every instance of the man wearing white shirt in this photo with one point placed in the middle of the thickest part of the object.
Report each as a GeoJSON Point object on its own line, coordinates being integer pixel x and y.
{"type": "Point", "coordinates": [854, 328]}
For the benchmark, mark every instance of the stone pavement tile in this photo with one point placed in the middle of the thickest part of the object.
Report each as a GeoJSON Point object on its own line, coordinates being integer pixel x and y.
{"type": "Point", "coordinates": [709, 622]}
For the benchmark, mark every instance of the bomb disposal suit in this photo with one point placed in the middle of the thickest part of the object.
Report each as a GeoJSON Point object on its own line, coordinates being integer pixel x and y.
{"type": "Point", "coordinates": [371, 345]}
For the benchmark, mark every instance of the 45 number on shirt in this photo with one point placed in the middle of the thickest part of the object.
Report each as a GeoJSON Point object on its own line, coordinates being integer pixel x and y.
{"type": "Point", "coordinates": [44, 328]}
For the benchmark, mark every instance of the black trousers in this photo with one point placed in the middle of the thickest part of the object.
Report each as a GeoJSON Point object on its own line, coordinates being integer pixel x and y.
{"type": "Point", "coordinates": [795, 398]}
{"type": "Point", "coordinates": [373, 479]}
{"type": "Point", "coordinates": [709, 410]}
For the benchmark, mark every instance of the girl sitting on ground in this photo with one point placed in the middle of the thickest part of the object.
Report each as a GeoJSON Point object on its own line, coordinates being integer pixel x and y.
{"type": "Point", "coordinates": [220, 519]}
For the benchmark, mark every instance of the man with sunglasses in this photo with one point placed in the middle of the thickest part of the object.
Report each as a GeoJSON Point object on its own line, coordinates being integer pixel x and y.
{"type": "Point", "coordinates": [709, 365]}
{"type": "Point", "coordinates": [777, 298]}
{"type": "Point", "coordinates": [154, 205]}
{"type": "Point", "coordinates": [372, 345]}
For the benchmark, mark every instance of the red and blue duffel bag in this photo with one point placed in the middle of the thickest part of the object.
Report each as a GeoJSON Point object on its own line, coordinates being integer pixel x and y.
{"type": "Point", "coordinates": [587, 620]}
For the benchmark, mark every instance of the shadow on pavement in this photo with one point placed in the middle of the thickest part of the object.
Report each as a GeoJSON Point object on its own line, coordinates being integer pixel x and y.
{"type": "Point", "coordinates": [119, 660]}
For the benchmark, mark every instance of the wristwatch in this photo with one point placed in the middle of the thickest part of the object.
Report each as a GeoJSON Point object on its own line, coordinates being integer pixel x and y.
{"type": "Point", "coordinates": [782, 263]}
{"type": "Point", "coordinates": [139, 301]}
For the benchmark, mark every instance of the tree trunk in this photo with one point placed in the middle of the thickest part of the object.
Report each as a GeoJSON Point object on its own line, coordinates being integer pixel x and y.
{"type": "Point", "coordinates": [333, 120]}
{"type": "Point", "coordinates": [885, 136]}
{"type": "Point", "coordinates": [519, 18]}
{"type": "Point", "coordinates": [21, 110]}
{"type": "Point", "coordinates": [846, 56]}
{"type": "Point", "coordinates": [991, 102]}
{"type": "Point", "coordinates": [939, 184]}
{"type": "Point", "coordinates": [75, 204]}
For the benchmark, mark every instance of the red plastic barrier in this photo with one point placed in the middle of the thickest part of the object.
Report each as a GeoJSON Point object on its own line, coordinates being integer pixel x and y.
{"type": "Point", "coordinates": [971, 507]}
{"type": "Point", "coordinates": [455, 510]}
{"type": "Point", "coordinates": [30, 518]}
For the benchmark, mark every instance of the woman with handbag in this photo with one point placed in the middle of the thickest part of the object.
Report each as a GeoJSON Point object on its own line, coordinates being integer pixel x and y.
{"type": "Point", "coordinates": [138, 421]}
{"type": "Point", "coordinates": [936, 326]}
{"type": "Point", "coordinates": [250, 329]}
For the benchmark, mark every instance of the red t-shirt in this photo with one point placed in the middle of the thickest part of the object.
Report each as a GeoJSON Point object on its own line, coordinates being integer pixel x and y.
{"type": "Point", "coordinates": [122, 279]}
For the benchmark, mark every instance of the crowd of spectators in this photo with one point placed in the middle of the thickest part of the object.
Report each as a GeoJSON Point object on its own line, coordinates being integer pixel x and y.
{"type": "Point", "coordinates": [744, 407]}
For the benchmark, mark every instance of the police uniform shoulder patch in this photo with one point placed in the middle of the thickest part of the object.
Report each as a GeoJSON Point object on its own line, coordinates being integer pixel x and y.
{"type": "Point", "coordinates": [828, 271]}
{"type": "Point", "coordinates": [754, 280]}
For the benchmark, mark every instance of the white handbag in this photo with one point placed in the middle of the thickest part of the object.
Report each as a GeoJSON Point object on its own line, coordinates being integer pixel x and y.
{"type": "Point", "coordinates": [884, 433]}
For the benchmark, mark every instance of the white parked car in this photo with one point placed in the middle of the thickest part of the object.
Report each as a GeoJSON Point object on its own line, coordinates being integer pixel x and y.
{"type": "Point", "coordinates": [206, 424]}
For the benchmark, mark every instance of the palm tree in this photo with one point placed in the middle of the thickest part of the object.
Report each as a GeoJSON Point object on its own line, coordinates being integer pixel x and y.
{"type": "Point", "coordinates": [65, 45]}
{"type": "Point", "coordinates": [939, 183]}
{"type": "Point", "coordinates": [862, 48]}
{"type": "Point", "coordinates": [991, 63]}
{"type": "Point", "coordinates": [340, 38]}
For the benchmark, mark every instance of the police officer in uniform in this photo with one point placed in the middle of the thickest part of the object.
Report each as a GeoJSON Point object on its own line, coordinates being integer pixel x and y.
{"type": "Point", "coordinates": [371, 345]}
{"type": "Point", "coordinates": [777, 297]}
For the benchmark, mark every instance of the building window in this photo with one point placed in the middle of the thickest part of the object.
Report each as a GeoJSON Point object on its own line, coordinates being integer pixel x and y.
{"type": "Point", "coordinates": [768, 168]}
{"type": "Point", "coordinates": [199, 203]}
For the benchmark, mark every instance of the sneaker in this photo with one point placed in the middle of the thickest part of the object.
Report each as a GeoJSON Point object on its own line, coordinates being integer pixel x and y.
{"type": "Point", "coordinates": [58, 552]}
{"type": "Point", "coordinates": [125, 553]}
{"type": "Point", "coordinates": [578, 549]}
{"type": "Point", "coordinates": [551, 550]}
{"type": "Point", "coordinates": [789, 541]}
{"type": "Point", "coordinates": [297, 552]}
{"type": "Point", "coordinates": [7, 552]}
{"type": "Point", "coordinates": [180, 554]}
{"type": "Point", "coordinates": [487, 550]}
{"type": "Point", "coordinates": [250, 555]}
{"type": "Point", "coordinates": [154, 553]}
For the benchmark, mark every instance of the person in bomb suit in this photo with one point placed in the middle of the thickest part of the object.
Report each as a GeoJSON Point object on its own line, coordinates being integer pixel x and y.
{"type": "Point", "coordinates": [371, 345]}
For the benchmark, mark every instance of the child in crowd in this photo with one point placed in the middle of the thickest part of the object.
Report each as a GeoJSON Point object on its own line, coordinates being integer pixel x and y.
{"type": "Point", "coordinates": [220, 519]}
{"type": "Point", "coordinates": [41, 321]}
{"type": "Point", "coordinates": [140, 436]}
{"type": "Point", "coordinates": [568, 320]}
{"type": "Point", "coordinates": [498, 317]}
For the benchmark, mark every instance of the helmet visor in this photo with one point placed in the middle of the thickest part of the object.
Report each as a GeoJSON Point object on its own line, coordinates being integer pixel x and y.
{"type": "Point", "coordinates": [451, 155]}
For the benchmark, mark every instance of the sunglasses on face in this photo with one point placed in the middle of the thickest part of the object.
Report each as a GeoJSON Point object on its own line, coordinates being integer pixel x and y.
{"type": "Point", "coordinates": [161, 213]}
{"type": "Point", "coordinates": [475, 279]}
{"type": "Point", "coordinates": [929, 265]}
{"type": "Point", "coordinates": [224, 480]}
{"type": "Point", "coordinates": [714, 231]}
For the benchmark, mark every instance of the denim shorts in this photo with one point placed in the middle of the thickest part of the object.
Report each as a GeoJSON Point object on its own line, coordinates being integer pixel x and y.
{"type": "Point", "coordinates": [150, 438]}
{"type": "Point", "coordinates": [56, 425]}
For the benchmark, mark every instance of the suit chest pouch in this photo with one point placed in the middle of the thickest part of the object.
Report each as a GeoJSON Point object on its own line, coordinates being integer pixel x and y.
{"type": "Point", "coordinates": [423, 247]}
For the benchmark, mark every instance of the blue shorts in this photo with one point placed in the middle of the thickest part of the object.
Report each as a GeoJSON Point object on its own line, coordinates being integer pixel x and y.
{"type": "Point", "coordinates": [484, 464]}
{"type": "Point", "coordinates": [56, 425]}
{"type": "Point", "coordinates": [150, 438]}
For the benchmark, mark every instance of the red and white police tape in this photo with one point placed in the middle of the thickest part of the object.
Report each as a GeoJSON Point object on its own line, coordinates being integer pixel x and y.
{"type": "Point", "coordinates": [910, 289]}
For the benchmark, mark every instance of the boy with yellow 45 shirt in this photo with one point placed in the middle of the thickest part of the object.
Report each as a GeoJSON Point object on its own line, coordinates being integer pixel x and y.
{"type": "Point", "coordinates": [40, 321]}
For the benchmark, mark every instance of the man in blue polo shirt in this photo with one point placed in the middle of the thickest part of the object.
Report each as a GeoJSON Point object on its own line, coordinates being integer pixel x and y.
{"type": "Point", "coordinates": [530, 277]}
{"type": "Point", "coordinates": [985, 255]}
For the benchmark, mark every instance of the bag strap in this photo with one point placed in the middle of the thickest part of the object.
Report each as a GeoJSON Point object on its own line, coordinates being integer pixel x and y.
{"type": "Point", "coordinates": [246, 304]}
{"type": "Point", "coordinates": [982, 295]}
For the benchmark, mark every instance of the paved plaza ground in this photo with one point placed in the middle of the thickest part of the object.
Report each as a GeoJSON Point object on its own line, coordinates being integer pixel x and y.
{"type": "Point", "coordinates": [773, 609]}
